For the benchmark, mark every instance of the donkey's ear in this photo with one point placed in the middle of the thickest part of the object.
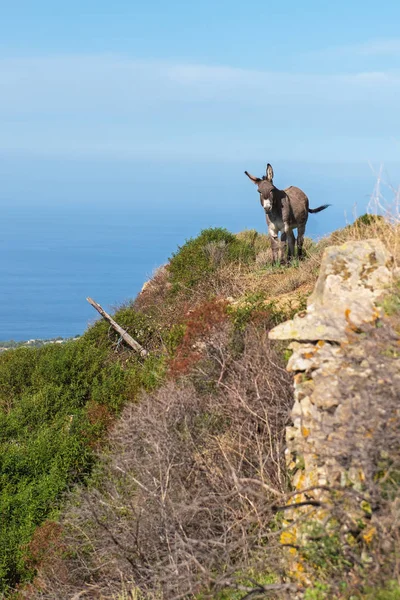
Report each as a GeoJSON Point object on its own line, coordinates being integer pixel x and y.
{"type": "Point", "coordinates": [253, 179]}
{"type": "Point", "coordinates": [270, 173]}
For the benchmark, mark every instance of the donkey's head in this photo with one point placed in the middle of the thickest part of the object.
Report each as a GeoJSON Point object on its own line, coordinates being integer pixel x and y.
{"type": "Point", "coordinates": [266, 188]}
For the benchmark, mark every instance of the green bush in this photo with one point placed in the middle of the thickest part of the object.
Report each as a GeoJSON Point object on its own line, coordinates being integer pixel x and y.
{"type": "Point", "coordinates": [55, 404]}
{"type": "Point", "coordinates": [252, 582]}
{"type": "Point", "coordinates": [16, 369]}
{"type": "Point", "coordinates": [367, 219]}
{"type": "Point", "coordinates": [140, 326]}
{"type": "Point", "coordinates": [242, 314]}
{"type": "Point", "coordinates": [199, 257]}
{"type": "Point", "coordinates": [390, 592]}
{"type": "Point", "coordinates": [323, 591]}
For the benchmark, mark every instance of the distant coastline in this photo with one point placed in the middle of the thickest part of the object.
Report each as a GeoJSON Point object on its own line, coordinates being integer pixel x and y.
{"type": "Point", "coordinates": [34, 343]}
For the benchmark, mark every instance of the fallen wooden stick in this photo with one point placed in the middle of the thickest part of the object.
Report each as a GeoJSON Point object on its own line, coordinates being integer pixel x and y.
{"type": "Point", "coordinates": [124, 334]}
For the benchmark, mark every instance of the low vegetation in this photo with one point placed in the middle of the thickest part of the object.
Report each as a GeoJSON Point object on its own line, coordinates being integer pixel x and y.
{"type": "Point", "coordinates": [56, 403]}
{"type": "Point", "coordinates": [124, 477]}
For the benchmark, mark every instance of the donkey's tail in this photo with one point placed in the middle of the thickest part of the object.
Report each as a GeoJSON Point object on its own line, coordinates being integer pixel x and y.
{"type": "Point", "coordinates": [315, 210]}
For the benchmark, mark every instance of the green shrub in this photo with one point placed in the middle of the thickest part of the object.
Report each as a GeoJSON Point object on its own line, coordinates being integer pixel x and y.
{"type": "Point", "coordinates": [323, 591]}
{"type": "Point", "coordinates": [251, 581]}
{"type": "Point", "coordinates": [367, 219]}
{"type": "Point", "coordinates": [199, 257]}
{"type": "Point", "coordinates": [140, 326]}
{"type": "Point", "coordinates": [391, 303]}
{"type": "Point", "coordinates": [319, 591]}
{"type": "Point", "coordinates": [16, 369]}
{"type": "Point", "coordinates": [173, 337]}
{"type": "Point", "coordinates": [324, 549]}
{"type": "Point", "coordinates": [56, 402]}
{"type": "Point", "coordinates": [252, 304]}
{"type": "Point", "coordinates": [391, 591]}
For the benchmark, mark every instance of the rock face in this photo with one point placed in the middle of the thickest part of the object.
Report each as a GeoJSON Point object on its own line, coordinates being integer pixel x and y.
{"type": "Point", "coordinates": [346, 384]}
{"type": "Point", "coordinates": [352, 277]}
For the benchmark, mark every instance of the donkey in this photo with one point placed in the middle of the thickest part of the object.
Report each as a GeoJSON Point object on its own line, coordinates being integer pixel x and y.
{"type": "Point", "coordinates": [285, 210]}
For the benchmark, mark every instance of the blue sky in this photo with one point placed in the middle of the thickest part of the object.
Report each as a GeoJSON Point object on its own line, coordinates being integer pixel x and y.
{"type": "Point", "coordinates": [228, 81]}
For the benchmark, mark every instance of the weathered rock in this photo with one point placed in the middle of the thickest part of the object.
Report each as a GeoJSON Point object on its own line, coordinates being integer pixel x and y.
{"type": "Point", "coordinates": [159, 274]}
{"type": "Point", "coordinates": [352, 277]}
{"type": "Point", "coordinates": [339, 389]}
{"type": "Point", "coordinates": [306, 357]}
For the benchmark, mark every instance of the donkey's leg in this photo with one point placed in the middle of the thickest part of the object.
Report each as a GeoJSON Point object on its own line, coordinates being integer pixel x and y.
{"type": "Point", "coordinates": [273, 233]}
{"type": "Point", "coordinates": [283, 246]}
{"type": "Point", "coordinates": [274, 246]}
{"type": "Point", "coordinates": [300, 240]}
{"type": "Point", "coordinates": [291, 242]}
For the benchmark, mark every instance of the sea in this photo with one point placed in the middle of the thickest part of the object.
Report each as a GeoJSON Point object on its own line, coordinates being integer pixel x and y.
{"type": "Point", "coordinates": [75, 228]}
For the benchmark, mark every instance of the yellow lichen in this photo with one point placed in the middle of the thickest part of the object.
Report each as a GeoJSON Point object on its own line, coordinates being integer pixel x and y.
{"type": "Point", "coordinates": [366, 507]}
{"type": "Point", "coordinates": [369, 534]}
{"type": "Point", "coordinates": [288, 537]}
{"type": "Point", "coordinates": [298, 573]}
{"type": "Point", "coordinates": [298, 483]}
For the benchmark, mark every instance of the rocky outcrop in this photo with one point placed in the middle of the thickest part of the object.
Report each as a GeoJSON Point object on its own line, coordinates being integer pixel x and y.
{"type": "Point", "coordinates": [159, 276]}
{"type": "Point", "coordinates": [345, 364]}
{"type": "Point", "coordinates": [352, 277]}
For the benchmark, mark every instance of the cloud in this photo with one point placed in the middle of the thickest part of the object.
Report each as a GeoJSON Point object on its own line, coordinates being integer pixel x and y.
{"type": "Point", "coordinates": [111, 84]}
{"type": "Point", "coordinates": [113, 105]}
{"type": "Point", "coordinates": [382, 47]}
{"type": "Point", "coordinates": [388, 48]}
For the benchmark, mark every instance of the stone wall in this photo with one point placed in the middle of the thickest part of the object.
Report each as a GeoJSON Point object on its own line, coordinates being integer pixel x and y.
{"type": "Point", "coordinates": [346, 387]}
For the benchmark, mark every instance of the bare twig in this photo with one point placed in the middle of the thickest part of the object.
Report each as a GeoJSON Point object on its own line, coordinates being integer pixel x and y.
{"type": "Point", "coordinates": [124, 334]}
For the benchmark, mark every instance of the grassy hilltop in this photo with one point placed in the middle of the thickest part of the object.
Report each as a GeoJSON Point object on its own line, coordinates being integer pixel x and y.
{"type": "Point", "coordinates": [123, 477]}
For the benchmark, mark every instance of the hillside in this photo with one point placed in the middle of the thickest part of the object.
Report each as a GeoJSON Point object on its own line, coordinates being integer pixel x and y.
{"type": "Point", "coordinates": [165, 477]}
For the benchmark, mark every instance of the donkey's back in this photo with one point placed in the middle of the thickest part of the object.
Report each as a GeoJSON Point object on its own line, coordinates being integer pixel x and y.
{"type": "Point", "coordinates": [299, 206]}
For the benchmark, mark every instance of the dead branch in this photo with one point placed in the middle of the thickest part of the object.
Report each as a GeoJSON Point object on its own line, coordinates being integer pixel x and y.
{"type": "Point", "coordinates": [124, 334]}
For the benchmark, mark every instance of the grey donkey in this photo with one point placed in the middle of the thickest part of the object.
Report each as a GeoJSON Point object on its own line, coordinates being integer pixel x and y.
{"type": "Point", "coordinates": [285, 210]}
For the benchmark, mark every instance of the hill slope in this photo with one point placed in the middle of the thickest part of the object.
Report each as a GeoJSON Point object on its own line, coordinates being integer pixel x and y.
{"type": "Point", "coordinates": [179, 457]}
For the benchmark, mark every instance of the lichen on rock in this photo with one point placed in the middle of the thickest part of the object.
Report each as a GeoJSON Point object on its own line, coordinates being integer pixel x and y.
{"type": "Point", "coordinates": [352, 277]}
{"type": "Point", "coordinates": [346, 390]}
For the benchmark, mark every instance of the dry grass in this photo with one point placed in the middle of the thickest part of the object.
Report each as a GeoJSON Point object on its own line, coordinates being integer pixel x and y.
{"type": "Point", "coordinates": [301, 277]}
{"type": "Point", "coordinates": [277, 283]}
